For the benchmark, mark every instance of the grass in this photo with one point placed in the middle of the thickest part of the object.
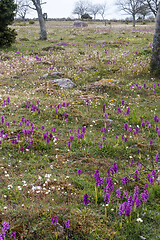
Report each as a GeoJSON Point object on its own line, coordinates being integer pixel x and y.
{"type": "Point", "coordinates": [39, 176]}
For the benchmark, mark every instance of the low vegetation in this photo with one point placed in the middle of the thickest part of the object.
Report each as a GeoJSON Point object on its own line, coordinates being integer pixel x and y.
{"type": "Point", "coordinates": [80, 163]}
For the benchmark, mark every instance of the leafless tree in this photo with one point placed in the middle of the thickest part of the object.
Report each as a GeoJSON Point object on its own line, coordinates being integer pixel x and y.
{"type": "Point", "coordinates": [37, 5]}
{"type": "Point", "coordinates": [131, 7]}
{"type": "Point", "coordinates": [153, 5]}
{"type": "Point", "coordinates": [81, 7]}
{"type": "Point", "coordinates": [102, 9]}
{"type": "Point", "coordinates": [155, 57]}
{"type": "Point", "coordinates": [22, 8]}
{"type": "Point", "coordinates": [144, 10]}
{"type": "Point", "coordinates": [94, 9]}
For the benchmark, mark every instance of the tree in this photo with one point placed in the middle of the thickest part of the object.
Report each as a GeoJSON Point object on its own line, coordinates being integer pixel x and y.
{"type": "Point", "coordinates": [22, 9]}
{"type": "Point", "coordinates": [102, 9]}
{"type": "Point", "coordinates": [80, 8]}
{"type": "Point", "coordinates": [132, 7]}
{"type": "Point", "coordinates": [144, 11]}
{"type": "Point", "coordinates": [36, 5]}
{"type": "Point", "coordinates": [94, 9]}
{"type": "Point", "coordinates": [153, 5]}
{"type": "Point", "coordinates": [7, 13]}
{"type": "Point", "coordinates": [155, 57]}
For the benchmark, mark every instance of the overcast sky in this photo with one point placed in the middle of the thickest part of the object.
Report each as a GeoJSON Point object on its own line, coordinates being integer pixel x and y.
{"type": "Point", "coordinates": [64, 8]}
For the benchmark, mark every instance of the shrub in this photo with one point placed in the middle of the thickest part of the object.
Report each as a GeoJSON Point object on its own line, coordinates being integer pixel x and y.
{"type": "Point", "coordinates": [7, 35]}
{"type": "Point", "coordinates": [31, 22]}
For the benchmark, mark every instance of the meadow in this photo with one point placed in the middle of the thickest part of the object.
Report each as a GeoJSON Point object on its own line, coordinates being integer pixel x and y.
{"type": "Point", "coordinates": [80, 163]}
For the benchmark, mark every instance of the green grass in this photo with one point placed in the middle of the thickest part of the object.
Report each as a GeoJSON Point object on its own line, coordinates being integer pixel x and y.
{"type": "Point", "coordinates": [124, 61]}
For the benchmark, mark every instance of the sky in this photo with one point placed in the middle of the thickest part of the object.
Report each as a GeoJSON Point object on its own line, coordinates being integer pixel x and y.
{"type": "Point", "coordinates": [64, 8]}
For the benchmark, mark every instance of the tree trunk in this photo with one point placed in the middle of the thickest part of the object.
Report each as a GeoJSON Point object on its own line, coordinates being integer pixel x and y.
{"type": "Point", "coordinates": [43, 34]}
{"type": "Point", "coordinates": [155, 57]}
{"type": "Point", "coordinates": [134, 20]}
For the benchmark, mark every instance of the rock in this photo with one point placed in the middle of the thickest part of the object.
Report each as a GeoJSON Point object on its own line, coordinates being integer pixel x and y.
{"type": "Point", "coordinates": [63, 83]}
{"type": "Point", "coordinates": [45, 75]}
{"type": "Point", "coordinates": [53, 75]}
{"type": "Point", "coordinates": [80, 24]}
{"type": "Point", "coordinates": [60, 229]}
{"type": "Point", "coordinates": [57, 74]}
{"type": "Point", "coordinates": [101, 41]}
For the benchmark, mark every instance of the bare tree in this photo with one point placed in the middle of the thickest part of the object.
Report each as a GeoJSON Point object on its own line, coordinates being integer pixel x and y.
{"type": "Point", "coordinates": [80, 8]}
{"type": "Point", "coordinates": [36, 5]}
{"type": "Point", "coordinates": [155, 57]}
{"type": "Point", "coordinates": [144, 10]}
{"type": "Point", "coordinates": [102, 9]}
{"type": "Point", "coordinates": [94, 9]}
{"type": "Point", "coordinates": [153, 5]}
{"type": "Point", "coordinates": [22, 8]}
{"type": "Point", "coordinates": [131, 7]}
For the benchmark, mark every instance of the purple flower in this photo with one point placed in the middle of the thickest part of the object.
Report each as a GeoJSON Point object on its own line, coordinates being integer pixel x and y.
{"type": "Point", "coordinates": [151, 181]}
{"type": "Point", "coordinates": [127, 112]}
{"type": "Point", "coordinates": [153, 173]}
{"type": "Point", "coordinates": [42, 128]}
{"type": "Point", "coordinates": [121, 211]}
{"type": "Point", "coordinates": [125, 180]}
{"type": "Point", "coordinates": [136, 175]}
{"type": "Point", "coordinates": [125, 194]}
{"type": "Point", "coordinates": [145, 196]}
{"type": "Point", "coordinates": [54, 220]}
{"type": "Point", "coordinates": [22, 149]}
{"type": "Point", "coordinates": [143, 124]}
{"type": "Point", "coordinates": [67, 223]}
{"type": "Point", "coordinates": [115, 167]}
{"type": "Point", "coordinates": [85, 199]}
{"type": "Point", "coordinates": [130, 200]}
{"type": "Point", "coordinates": [87, 101]}
{"type": "Point", "coordinates": [99, 179]}
{"type": "Point", "coordinates": [136, 192]}
{"type": "Point", "coordinates": [138, 203]}
{"type": "Point", "coordinates": [2, 236]}
{"type": "Point", "coordinates": [105, 115]}
{"type": "Point", "coordinates": [2, 119]}
{"type": "Point", "coordinates": [118, 191]}
{"type": "Point", "coordinates": [79, 172]}
{"type": "Point", "coordinates": [128, 209]}
{"type": "Point", "coordinates": [69, 145]}
{"type": "Point", "coordinates": [83, 129]}
{"type": "Point", "coordinates": [13, 234]}
{"type": "Point", "coordinates": [110, 186]}
{"type": "Point", "coordinates": [104, 107]}
{"type": "Point", "coordinates": [106, 198]}
{"type": "Point", "coordinates": [125, 126]}
{"type": "Point", "coordinates": [146, 185]}
{"type": "Point", "coordinates": [71, 138]}
{"type": "Point", "coordinates": [157, 156]}
{"type": "Point", "coordinates": [5, 227]}
{"type": "Point", "coordinates": [122, 103]}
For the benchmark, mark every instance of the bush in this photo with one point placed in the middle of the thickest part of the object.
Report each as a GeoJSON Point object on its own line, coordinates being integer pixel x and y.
{"type": "Point", "coordinates": [31, 22]}
{"type": "Point", "coordinates": [7, 35]}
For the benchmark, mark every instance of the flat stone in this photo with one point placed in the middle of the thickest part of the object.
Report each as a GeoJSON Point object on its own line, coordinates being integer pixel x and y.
{"type": "Point", "coordinates": [57, 74]}
{"type": "Point", "coordinates": [53, 75]}
{"type": "Point", "coordinates": [101, 41]}
{"type": "Point", "coordinates": [80, 24]}
{"type": "Point", "coordinates": [45, 75]}
{"type": "Point", "coordinates": [63, 83]}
